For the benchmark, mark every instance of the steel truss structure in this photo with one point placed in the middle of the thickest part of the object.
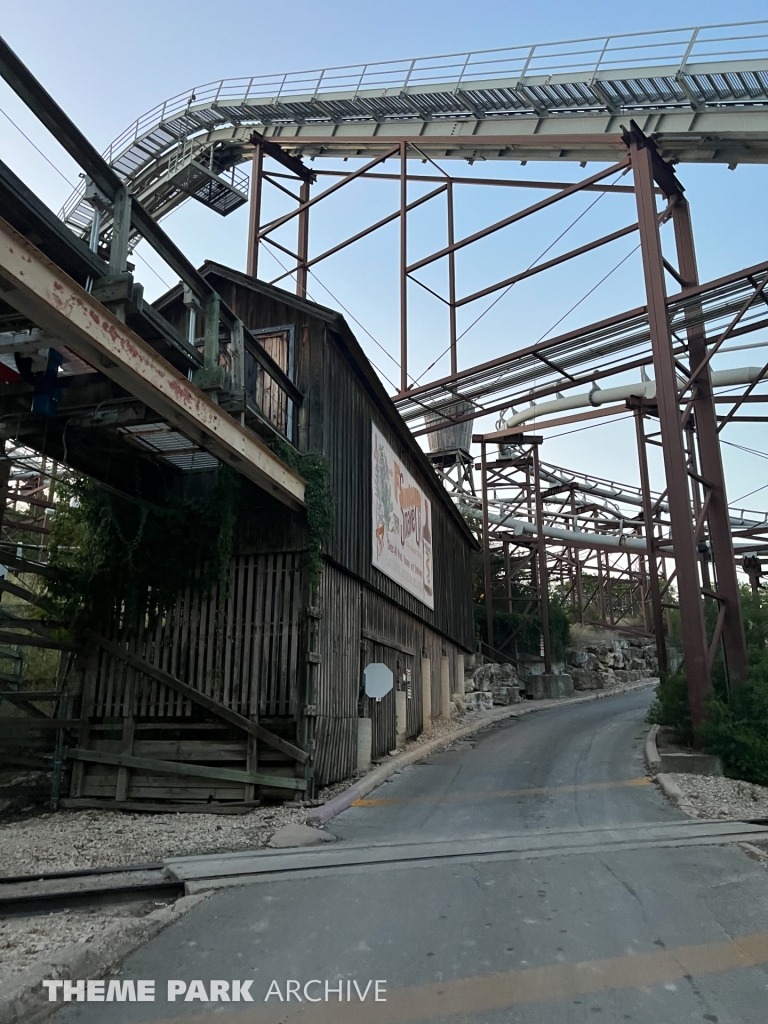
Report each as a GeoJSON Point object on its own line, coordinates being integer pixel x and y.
{"type": "Point", "coordinates": [702, 90]}
{"type": "Point", "coordinates": [638, 103]}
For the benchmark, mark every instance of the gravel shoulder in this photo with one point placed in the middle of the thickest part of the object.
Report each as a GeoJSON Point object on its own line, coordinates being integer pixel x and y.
{"type": "Point", "coordinates": [75, 840]}
{"type": "Point", "coordinates": [25, 940]}
{"type": "Point", "coordinates": [713, 796]}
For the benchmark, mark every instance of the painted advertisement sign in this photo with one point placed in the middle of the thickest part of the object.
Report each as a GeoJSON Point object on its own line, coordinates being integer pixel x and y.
{"type": "Point", "coordinates": [402, 523]}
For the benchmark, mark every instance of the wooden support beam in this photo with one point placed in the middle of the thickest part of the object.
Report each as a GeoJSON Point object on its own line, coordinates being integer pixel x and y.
{"type": "Point", "coordinates": [28, 640]}
{"type": "Point", "coordinates": [36, 287]}
{"type": "Point", "coordinates": [252, 728]}
{"type": "Point", "coordinates": [179, 768]}
{"type": "Point", "coordinates": [24, 594]}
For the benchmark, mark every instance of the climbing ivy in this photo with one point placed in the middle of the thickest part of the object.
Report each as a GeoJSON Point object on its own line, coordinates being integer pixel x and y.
{"type": "Point", "coordinates": [318, 497]}
{"type": "Point", "coordinates": [114, 555]}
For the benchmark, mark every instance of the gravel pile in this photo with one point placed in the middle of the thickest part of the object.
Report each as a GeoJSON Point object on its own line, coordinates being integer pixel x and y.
{"type": "Point", "coordinates": [25, 940]}
{"type": "Point", "coordinates": [72, 840]}
{"type": "Point", "coordinates": [717, 797]}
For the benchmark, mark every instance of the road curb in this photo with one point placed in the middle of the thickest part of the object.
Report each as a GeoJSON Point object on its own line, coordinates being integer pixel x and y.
{"type": "Point", "coordinates": [342, 801]}
{"type": "Point", "coordinates": [24, 997]}
{"type": "Point", "coordinates": [651, 752]}
{"type": "Point", "coordinates": [675, 795]}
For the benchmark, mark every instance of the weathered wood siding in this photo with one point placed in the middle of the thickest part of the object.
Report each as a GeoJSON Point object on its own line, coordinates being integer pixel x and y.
{"type": "Point", "coordinates": [239, 645]}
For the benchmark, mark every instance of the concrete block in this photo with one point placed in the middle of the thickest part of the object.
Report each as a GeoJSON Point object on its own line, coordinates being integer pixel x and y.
{"type": "Point", "coordinates": [691, 764]}
{"type": "Point", "coordinates": [549, 685]}
{"type": "Point", "coordinates": [426, 695]}
{"type": "Point", "coordinates": [364, 743]}
{"type": "Point", "coordinates": [401, 725]}
{"type": "Point", "coordinates": [445, 686]}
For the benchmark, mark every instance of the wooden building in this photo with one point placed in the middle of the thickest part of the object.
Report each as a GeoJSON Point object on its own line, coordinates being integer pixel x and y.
{"type": "Point", "coordinates": [271, 648]}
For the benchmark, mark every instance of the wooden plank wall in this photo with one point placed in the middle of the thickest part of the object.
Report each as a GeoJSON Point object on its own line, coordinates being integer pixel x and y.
{"type": "Point", "coordinates": [336, 420]}
{"type": "Point", "coordinates": [359, 627]}
{"type": "Point", "coordinates": [338, 676]}
{"type": "Point", "coordinates": [240, 647]}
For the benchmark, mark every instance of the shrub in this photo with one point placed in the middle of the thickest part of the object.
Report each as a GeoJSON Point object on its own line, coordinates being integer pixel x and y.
{"type": "Point", "coordinates": [737, 721]}
{"type": "Point", "coordinates": [671, 706]}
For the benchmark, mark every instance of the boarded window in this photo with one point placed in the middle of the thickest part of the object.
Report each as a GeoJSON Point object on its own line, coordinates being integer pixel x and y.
{"type": "Point", "coordinates": [265, 393]}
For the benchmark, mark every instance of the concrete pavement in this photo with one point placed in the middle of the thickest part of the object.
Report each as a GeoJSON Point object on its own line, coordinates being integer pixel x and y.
{"type": "Point", "coordinates": [655, 934]}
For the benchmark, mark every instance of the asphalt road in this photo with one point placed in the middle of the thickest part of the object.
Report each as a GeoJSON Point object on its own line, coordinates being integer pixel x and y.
{"type": "Point", "coordinates": [611, 932]}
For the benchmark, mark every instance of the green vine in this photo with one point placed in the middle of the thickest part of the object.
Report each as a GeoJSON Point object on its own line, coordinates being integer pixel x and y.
{"type": "Point", "coordinates": [318, 497]}
{"type": "Point", "coordinates": [121, 556]}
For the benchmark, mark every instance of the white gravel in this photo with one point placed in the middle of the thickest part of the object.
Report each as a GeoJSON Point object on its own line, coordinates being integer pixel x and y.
{"type": "Point", "coordinates": [25, 940]}
{"type": "Point", "coordinates": [717, 797]}
{"type": "Point", "coordinates": [72, 840]}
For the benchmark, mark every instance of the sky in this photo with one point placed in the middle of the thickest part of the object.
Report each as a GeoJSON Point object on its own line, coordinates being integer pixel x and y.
{"type": "Point", "coordinates": [108, 63]}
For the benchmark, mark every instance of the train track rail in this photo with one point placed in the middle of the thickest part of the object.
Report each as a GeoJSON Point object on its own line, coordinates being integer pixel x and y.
{"type": "Point", "coordinates": [61, 890]}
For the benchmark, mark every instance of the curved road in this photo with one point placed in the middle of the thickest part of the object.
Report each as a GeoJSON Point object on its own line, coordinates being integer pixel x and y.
{"type": "Point", "coordinates": [568, 766]}
{"type": "Point", "coordinates": [582, 919]}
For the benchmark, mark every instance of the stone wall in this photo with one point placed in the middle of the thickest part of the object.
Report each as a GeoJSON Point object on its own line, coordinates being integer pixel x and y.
{"type": "Point", "coordinates": [595, 666]}
{"type": "Point", "coordinates": [491, 683]}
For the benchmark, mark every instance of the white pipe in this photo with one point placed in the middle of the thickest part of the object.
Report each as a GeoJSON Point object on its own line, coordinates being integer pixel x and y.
{"type": "Point", "coordinates": [617, 495]}
{"type": "Point", "coordinates": [643, 389]}
{"type": "Point", "coordinates": [573, 538]}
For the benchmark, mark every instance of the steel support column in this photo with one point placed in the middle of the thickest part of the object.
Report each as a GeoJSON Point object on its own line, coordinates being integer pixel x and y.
{"type": "Point", "coordinates": [541, 550]}
{"type": "Point", "coordinates": [710, 461]}
{"type": "Point", "coordinates": [653, 573]}
{"type": "Point", "coordinates": [695, 648]}
{"type": "Point", "coordinates": [452, 282]}
{"type": "Point", "coordinates": [254, 221]}
{"type": "Point", "coordinates": [404, 267]}
{"type": "Point", "coordinates": [486, 544]}
{"type": "Point", "coordinates": [303, 246]}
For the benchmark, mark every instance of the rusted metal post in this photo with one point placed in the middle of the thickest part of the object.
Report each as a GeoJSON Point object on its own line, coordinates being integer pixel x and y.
{"type": "Point", "coordinates": [542, 559]}
{"type": "Point", "coordinates": [698, 501]}
{"type": "Point", "coordinates": [734, 645]}
{"type": "Point", "coordinates": [254, 219]}
{"type": "Point", "coordinates": [657, 611]}
{"type": "Point", "coordinates": [507, 577]}
{"type": "Point", "coordinates": [600, 587]}
{"type": "Point", "coordinates": [452, 281]}
{"type": "Point", "coordinates": [695, 646]}
{"type": "Point", "coordinates": [303, 246]}
{"type": "Point", "coordinates": [486, 544]}
{"type": "Point", "coordinates": [403, 266]}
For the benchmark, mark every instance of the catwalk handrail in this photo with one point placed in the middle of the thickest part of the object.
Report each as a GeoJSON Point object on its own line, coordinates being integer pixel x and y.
{"type": "Point", "coordinates": [665, 52]}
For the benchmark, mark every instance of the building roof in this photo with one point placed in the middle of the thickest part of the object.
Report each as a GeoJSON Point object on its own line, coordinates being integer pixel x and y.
{"type": "Point", "coordinates": [355, 355]}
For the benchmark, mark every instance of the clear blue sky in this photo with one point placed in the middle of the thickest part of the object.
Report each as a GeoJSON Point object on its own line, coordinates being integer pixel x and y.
{"type": "Point", "coordinates": [108, 63]}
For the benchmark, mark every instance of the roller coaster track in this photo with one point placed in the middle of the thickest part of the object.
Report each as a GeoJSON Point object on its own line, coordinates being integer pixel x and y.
{"type": "Point", "coordinates": [702, 92]}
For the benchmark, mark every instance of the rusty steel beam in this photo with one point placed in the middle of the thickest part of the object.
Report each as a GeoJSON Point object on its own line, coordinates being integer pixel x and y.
{"type": "Point", "coordinates": [695, 647]}
{"type": "Point", "coordinates": [486, 545]}
{"type": "Point", "coordinates": [653, 571]}
{"type": "Point", "coordinates": [520, 215]}
{"type": "Point", "coordinates": [279, 221]}
{"type": "Point", "coordinates": [541, 548]}
{"type": "Point", "coordinates": [254, 217]}
{"type": "Point", "coordinates": [303, 246]}
{"type": "Point", "coordinates": [404, 271]}
{"type": "Point", "coordinates": [552, 186]}
{"type": "Point", "coordinates": [710, 460]}
{"type": "Point", "coordinates": [539, 267]}
{"type": "Point", "coordinates": [360, 234]}
{"type": "Point", "coordinates": [37, 288]}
